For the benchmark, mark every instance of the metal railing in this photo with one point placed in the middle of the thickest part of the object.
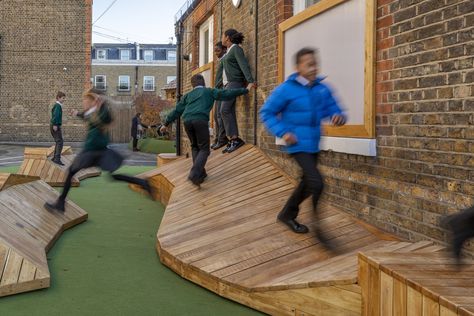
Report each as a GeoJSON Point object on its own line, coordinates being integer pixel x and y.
{"type": "Point", "coordinates": [182, 11]}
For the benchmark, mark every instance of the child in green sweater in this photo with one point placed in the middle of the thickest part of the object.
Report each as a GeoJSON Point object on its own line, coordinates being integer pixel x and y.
{"type": "Point", "coordinates": [95, 152]}
{"type": "Point", "coordinates": [55, 127]}
{"type": "Point", "coordinates": [195, 107]}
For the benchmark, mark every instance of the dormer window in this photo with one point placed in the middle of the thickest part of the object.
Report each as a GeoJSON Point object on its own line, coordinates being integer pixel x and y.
{"type": "Point", "coordinates": [171, 56]}
{"type": "Point", "coordinates": [101, 54]}
{"type": "Point", "coordinates": [148, 55]}
{"type": "Point", "coordinates": [124, 54]}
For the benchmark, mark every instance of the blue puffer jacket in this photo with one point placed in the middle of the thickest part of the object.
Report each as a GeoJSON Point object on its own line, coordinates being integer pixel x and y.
{"type": "Point", "coordinates": [299, 109]}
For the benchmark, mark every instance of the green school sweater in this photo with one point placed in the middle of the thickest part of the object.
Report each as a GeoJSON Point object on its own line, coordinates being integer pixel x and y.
{"type": "Point", "coordinates": [235, 65]}
{"type": "Point", "coordinates": [97, 134]}
{"type": "Point", "coordinates": [197, 104]}
{"type": "Point", "coordinates": [57, 115]}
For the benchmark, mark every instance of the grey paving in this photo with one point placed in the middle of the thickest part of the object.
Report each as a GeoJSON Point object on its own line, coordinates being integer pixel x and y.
{"type": "Point", "coordinates": [12, 155]}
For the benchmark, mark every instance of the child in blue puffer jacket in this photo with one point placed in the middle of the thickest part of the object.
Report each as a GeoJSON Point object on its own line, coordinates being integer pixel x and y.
{"type": "Point", "coordinates": [294, 112]}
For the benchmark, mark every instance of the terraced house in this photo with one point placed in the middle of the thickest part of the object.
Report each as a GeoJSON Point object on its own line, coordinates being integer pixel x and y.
{"type": "Point", "coordinates": [129, 69]}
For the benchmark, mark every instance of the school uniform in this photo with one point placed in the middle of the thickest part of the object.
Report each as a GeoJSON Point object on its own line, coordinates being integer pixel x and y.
{"type": "Point", "coordinates": [235, 72]}
{"type": "Point", "coordinates": [134, 132]}
{"type": "Point", "coordinates": [298, 106]}
{"type": "Point", "coordinates": [194, 107]}
{"type": "Point", "coordinates": [95, 153]}
{"type": "Point", "coordinates": [57, 120]}
{"type": "Point", "coordinates": [220, 138]}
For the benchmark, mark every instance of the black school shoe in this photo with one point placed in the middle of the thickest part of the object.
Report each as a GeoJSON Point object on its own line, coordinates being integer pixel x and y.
{"type": "Point", "coordinates": [216, 146]}
{"type": "Point", "coordinates": [58, 162]}
{"type": "Point", "coordinates": [293, 225]}
{"type": "Point", "coordinates": [57, 206]}
{"type": "Point", "coordinates": [461, 227]}
{"type": "Point", "coordinates": [234, 145]}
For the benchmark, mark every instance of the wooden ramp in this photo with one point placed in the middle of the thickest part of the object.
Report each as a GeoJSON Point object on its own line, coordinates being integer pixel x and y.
{"type": "Point", "coordinates": [37, 162]}
{"type": "Point", "coordinates": [225, 237]}
{"type": "Point", "coordinates": [9, 179]}
{"type": "Point", "coordinates": [394, 284]}
{"type": "Point", "coordinates": [27, 232]}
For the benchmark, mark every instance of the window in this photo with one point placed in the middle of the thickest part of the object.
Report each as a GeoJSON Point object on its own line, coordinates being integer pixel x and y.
{"type": "Point", "coordinates": [170, 78]}
{"type": "Point", "coordinates": [171, 55]}
{"type": "Point", "coordinates": [124, 54]}
{"type": "Point", "coordinates": [301, 5]}
{"type": "Point", "coordinates": [148, 55]}
{"type": "Point", "coordinates": [101, 54]}
{"type": "Point", "coordinates": [206, 51]}
{"type": "Point", "coordinates": [148, 83]}
{"type": "Point", "coordinates": [100, 82]}
{"type": "Point", "coordinates": [124, 83]}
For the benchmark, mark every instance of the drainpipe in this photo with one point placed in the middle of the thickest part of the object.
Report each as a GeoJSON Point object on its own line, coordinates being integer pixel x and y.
{"type": "Point", "coordinates": [179, 74]}
{"type": "Point", "coordinates": [255, 98]}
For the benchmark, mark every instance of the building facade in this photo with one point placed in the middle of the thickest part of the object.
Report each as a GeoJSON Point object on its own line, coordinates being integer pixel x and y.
{"type": "Point", "coordinates": [44, 48]}
{"type": "Point", "coordinates": [123, 70]}
{"type": "Point", "coordinates": [408, 160]}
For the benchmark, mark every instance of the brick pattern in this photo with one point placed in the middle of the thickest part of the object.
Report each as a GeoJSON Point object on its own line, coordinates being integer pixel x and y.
{"type": "Point", "coordinates": [424, 106]}
{"type": "Point", "coordinates": [32, 65]}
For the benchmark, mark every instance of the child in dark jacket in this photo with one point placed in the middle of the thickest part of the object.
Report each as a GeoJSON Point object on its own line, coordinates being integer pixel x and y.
{"type": "Point", "coordinates": [195, 107]}
{"type": "Point", "coordinates": [294, 112]}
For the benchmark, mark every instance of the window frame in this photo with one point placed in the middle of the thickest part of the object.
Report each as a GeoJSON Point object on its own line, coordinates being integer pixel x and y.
{"type": "Point", "coordinates": [101, 50]}
{"type": "Point", "coordinates": [119, 87]}
{"type": "Point", "coordinates": [145, 51]}
{"type": "Point", "coordinates": [145, 84]}
{"type": "Point", "coordinates": [105, 82]}
{"type": "Point", "coordinates": [129, 54]}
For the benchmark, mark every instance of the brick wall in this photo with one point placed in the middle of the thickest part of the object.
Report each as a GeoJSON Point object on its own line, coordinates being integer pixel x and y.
{"type": "Point", "coordinates": [424, 105]}
{"type": "Point", "coordinates": [38, 40]}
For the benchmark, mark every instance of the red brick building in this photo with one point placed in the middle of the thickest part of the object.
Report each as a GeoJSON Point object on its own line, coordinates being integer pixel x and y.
{"type": "Point", "coordinates": [44, 47]}
{"type": "Point", "coordinates": [421, 120]}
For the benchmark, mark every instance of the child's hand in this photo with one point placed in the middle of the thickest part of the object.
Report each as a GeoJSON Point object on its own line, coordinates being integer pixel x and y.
{"type": "Point", "coordinates": [163, 129]}
{"type": "Point", "coordinates": [74, 112]}
{"type": "Point", "coordinates": [290, 138]}
{"type": "Point", "coordinates": [338, 120]}
{"type": "Point", "coordinates": [55, 128]}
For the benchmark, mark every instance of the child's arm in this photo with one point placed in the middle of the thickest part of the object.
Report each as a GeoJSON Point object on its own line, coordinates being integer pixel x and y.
{"type": "Point", "coordinates": [56, 121]}
{"type": "Point", "coordinates": [271, 110]}
{"type": "Point", "coordinates": [243, 64]}
{"type": "Point", "coordinates": [333, 110]}
{"type": "Point", "coordinates": [179, 109]}
{"type": "Point", "coordinates": [228, 94]}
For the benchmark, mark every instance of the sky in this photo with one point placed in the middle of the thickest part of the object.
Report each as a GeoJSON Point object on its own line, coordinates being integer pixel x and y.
{"type": "Point", "coordinates": [142, 21]}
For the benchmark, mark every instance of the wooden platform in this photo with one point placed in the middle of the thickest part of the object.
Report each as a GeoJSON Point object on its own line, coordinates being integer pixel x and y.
{"type": "Point", "coordinates": [225, 237]}
{"type": "Point", "coordinates": [37, 162]}
{"type": "Point", "coordinates": [9, 179]}
{"type": "Point", "coordinates": [419, 284]}
{"type": "Point", "coordinates": [27, 232]}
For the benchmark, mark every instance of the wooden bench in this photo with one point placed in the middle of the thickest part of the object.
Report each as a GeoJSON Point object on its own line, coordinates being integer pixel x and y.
{"type": "Point", "coordinates": [417, 284]}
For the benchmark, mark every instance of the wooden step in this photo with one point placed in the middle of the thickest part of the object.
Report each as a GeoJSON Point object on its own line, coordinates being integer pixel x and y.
{"type": "Point", "coordinates": [37, 162]}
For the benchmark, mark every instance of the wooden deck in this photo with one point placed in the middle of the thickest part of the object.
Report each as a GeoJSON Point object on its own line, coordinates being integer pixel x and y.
{"type": "Point", "coordinates": [9, 179]}
{"type": "Point", "coordinates": [419, 284]}
{"type": "Point", "coordinates": [27, 232]}
{"type": "Point", "coordinates": [225, 237]}
{"type": "Point", "coordinates": [37, 162]}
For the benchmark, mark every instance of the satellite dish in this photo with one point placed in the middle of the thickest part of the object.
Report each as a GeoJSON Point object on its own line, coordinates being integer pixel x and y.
{"type": "Point", "coordinates": [236, 3]}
